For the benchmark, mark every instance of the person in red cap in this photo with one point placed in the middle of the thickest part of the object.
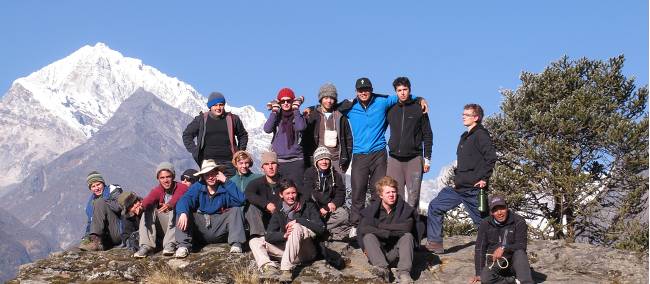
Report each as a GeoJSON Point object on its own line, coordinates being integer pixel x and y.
{"type": "Point", "coordinates": [287, 124]}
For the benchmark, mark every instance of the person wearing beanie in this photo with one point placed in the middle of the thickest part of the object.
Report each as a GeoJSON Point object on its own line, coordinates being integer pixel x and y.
{"type": "Point", "coordinates": [158, 207]}
{"type": "Point", "coordinates": [211, 211]}
{"type": "Point", "coordinates": [327, 127]}
{"type": "Point", "coordinates": [103, 214]}
{"type": "Point", "coordinates": [131, 205]}
{"type": "Point", "coordinates": [287, 123]}
{"type": "Point", "coordinates": [410, 143]}
{"type": "Point", "coordinates": [325, 187]}
{"type": "Point", "coordinates": [261, 194]}
{"type": "Point", "coordinates": [216, 134]}
{"type": "Point", "coordinates": [367, 116]}
{"type": "Point", "coordinates": [188, 178]}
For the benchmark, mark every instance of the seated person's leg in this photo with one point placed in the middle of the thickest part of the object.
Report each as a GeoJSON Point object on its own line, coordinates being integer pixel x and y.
{"type": "Point", "coordinates": [405, 250]}
{"type": "Point", "coordinates": [254, 218]}
{"type": "Point", "coordinates": [105, 223]}
{"type": "Point", "coordinates": [337, 224]}
{"type": "Point", "coordinates": [521, 266]}
{"type": "Point", "coordinates": [373, 250]}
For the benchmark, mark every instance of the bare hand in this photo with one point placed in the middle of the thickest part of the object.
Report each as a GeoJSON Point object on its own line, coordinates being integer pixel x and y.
{"type": "Point", "coordinates": [323, 212]}
{"type": "Point", "coordinates": [164, 208]}
{"type": "Point", "coordinates": [426, 168]}
{"type": "Point", "coordinates": [331, 206]}
{"type": "Point", "coordinates": [498, 253]}
{"type": "Point", "coordinates": [289, 226]}
{"type": "Point", "coordinates": [270, 207]}
{"type": "Point", "coordinates": [475, 279]}
{"type": "Point", "coordinates": [424, 105]}
{"type": "Point", "coordinates": [480, 184]}
{"type": "Point", "coordinates": [221, 177]}
{"type": "Point", "coordinates": [182, 222]}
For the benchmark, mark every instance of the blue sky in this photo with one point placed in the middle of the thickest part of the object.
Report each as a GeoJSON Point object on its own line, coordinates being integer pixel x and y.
{"type": "Point", "coordinates": [454, 52]}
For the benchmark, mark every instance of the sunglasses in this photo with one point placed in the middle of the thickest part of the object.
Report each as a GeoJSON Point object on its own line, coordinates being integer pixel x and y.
{"type": "Point", "coordinates": [286, 101]}
{"type": "Point", "coordinates": [186, 178]}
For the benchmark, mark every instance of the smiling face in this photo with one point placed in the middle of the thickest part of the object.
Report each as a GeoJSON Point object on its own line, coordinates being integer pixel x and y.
{"type": "Point", "coordinates": [218, 109]}
{"type": "Point", "coordinates": [500, 213]}
{"type": "Point", "coordinates": [136, 208]}
{"type": "Point", "coordinates": [166, 179]}
{"type": "Point", "coordinates": [323, 164]}
{"type": "Point", "coordinates": [289, 195]}
{"type": "Point", "coordinates": [364, 94]}
{"type": "Point", "coordinates": [243, 166]}
{"type": "Point", "coordinates": [97, 188]}
{"type": "Point", "coordinates": [285, 103]}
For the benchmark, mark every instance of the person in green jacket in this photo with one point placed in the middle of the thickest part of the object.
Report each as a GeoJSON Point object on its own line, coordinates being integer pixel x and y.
{"type": "Point", "coordinates": [242, 161]}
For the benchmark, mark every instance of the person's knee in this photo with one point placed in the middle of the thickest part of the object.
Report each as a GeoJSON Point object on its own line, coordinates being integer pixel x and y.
{"type": "Point", "coordinates": [407, 237]}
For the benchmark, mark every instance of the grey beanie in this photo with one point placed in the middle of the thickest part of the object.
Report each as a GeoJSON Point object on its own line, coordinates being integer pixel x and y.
{"type": "Point", "coordinates": [322, 153]}
{"type": "Point", "coordinates": [165, 166]}
{"type": "Point", "coordinates": [327, 90]}
{"type": "Point", "coordinates": [216, 98]}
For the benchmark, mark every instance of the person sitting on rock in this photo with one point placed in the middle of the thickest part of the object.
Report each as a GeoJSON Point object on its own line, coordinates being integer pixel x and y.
{"type": "Point", "coordinates": [290, 234]}
{"type": "Point", "coordinates": [103, 212]}
{"type": "Point", "coordinates": [500, 247]}
{"type": "Point", "coordinates": [159, 215]}
{"type": "Point", "coordinates": [188, 178]}
{"type": "Point", "coordinates": [243, 162]}
{"type": "Point", "coordinates": [261, 194]}
{"type": "Point", "coordinates": [324, 186]}
{"type": "Point", "coordinates": [210, 211]}
{"type": "Point", "coordinates": [132, 210]}
{"type": "Point", "coordinates": [389, 230]}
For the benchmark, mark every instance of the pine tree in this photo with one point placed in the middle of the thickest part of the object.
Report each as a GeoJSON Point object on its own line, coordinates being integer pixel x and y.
{"type": "Point", "coordinates": [566, 134]}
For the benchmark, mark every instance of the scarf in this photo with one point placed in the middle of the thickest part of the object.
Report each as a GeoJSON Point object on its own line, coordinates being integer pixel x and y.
{"type": "Point", "coordinates": [290, 210]}
{"type": "Point", "coordinates": [286, 125]}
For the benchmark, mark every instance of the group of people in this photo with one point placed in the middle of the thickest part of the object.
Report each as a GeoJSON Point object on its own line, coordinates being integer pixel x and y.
{"type": "Point", "coordinates": [291, 210]}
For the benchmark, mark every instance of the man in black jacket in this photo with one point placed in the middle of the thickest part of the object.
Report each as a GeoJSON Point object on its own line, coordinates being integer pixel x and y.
{"type": "Point", "coordinates": [389, 230]}
{"type": "Point", "coordinates": [410, 143]}
{"type": "Point", "coordinates": [324, 186]}
{"type": "Point", "coordinates": [502, 236]}
{"type": "Point", "coordinates": [219, 134]}
{"type": "Point", "coordinates": [261, 194]}
{"type": "Point", "coordinates": [327, 127]}
{"type": "Point", "coordinates": [475, 160]}
{"type": "Point", "coordinates": [290, 234]}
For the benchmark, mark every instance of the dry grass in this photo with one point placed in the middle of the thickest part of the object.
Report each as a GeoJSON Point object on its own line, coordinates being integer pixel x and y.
{"type": "Point", "coordinates": [247, 274]}
{"type": "Point", "coordinates": [167, 276]}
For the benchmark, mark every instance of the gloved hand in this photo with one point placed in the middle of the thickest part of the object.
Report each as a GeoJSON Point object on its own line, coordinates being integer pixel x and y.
{"type": "Point", "coordinates": [273, 106]}
{"type": "Point", "coordinates": [297, 102]}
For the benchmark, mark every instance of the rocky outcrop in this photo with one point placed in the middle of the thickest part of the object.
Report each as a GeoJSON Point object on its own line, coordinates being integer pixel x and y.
{"type": "Point", "coordinates": [552, 262]}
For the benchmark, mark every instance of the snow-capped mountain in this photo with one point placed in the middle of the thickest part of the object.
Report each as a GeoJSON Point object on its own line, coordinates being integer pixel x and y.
{"type": "Point", "coordinates": [60, 106]}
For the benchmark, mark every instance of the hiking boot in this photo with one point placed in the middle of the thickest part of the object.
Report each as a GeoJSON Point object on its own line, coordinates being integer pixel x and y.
{"type": "Point", "coordinates": [286, 276]}
{"type": "Point", "coordinates": [169, 250]}
{"type": "Point", "coordinates": [182, 252]}
{"type": "Point", "coordinates": [235, 248]}
{"type": "Point", "coordinates": [435, 247]}
{"type": "Point", "coordinates": [381, 273]}
{"type": "Point", "coordinates": [405, 278]}
{"type": "Point", "coordinates": [269, 271]}
{"type": "Point", "coordinates": [142, 252]}
{"type": "Point", "coordinates": [93, 243]}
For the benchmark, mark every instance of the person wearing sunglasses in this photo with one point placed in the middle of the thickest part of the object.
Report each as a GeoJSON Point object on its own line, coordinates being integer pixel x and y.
{"type": "Point", "coordinates": [500, 249]}
{"type": "Point", "coordinates": [188, 178]}
{"type": "Point", "coordinates": [287, 124]}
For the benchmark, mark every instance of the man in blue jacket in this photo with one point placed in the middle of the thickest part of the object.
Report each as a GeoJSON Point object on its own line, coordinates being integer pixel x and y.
{"type": "Point", "coordinates": [210, 211]}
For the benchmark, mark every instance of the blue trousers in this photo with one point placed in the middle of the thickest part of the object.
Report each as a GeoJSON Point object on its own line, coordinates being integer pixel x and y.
{"type": "Point", "coordinates": [448, 199]}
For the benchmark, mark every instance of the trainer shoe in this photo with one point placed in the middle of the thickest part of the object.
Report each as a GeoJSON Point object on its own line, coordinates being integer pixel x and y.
{"type": "Point", "coordinates": [435, 247]}
{"type": "Point", "coordinates": [182, 252]}
{"type": "Point", "coordinates": [235, 248]}
{"type": "Point", "coordinates": [169, 249]}
{"type": "Point", "coordinates": [142, 252]}
{"type": "Point", "coordinates": [405, 278]}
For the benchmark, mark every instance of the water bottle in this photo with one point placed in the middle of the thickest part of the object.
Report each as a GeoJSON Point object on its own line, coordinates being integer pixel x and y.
{"type": "Point", "coordinates": [482, 201]}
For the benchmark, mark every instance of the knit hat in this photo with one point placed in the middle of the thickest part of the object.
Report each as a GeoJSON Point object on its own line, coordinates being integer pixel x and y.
{"type": "Point", "coordinates": [322, 153]}
{"type": "Point", "coordinates": [285, 93]}
{"type": "Point", "coordinates": [93, 177]}
{"type": "Point", "coordinates": [126, 200]}
{"type": "Point", "coordinates": [189, 174]}
{"type": "Point", "coordinates": [167, 166]}
{"type": "Point", "coordinates": [216, 98]}
{"type": "Point", "coordinates": [363, 83]}
{"type": "Point", "coordinates": [268, 157]}
{"type": "Point", "coordinates": [327, 90]}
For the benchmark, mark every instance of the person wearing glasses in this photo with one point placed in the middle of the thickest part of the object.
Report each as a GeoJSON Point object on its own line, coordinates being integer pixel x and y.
{"type": "Point", "coordinates": [475, 160]}
{"type": "Point", "coordinates": [287, 124]}
{"type": "Point", "coordinates": [500, 248]}
{"type": "Point", "coordinates": [188, 178]}
{"type": "Point", "coordinates": [219, 134]}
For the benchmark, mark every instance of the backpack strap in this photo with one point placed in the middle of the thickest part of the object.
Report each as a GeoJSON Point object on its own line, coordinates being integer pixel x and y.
{"type": "Point", "coordinates": [231, 132]}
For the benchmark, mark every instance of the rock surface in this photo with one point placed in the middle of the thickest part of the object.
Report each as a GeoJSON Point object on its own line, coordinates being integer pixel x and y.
{"type": "Point", "coordinates": [552, 262]}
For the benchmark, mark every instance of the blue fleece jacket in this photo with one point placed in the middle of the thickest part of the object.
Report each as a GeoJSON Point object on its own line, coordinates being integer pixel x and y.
{"type": "Point", "coordinates": [369, 124]}
{"type": "Point", "coordinates": [197, 198]}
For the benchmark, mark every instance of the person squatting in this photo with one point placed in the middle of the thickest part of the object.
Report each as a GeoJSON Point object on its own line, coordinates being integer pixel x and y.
{"type": "Point", "coordinates": [287, 215]}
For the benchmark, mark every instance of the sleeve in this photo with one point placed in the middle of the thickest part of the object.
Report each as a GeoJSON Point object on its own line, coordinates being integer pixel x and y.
{"type": "Point", "coordinates": [346, 146]}
{"type": "Point", "coordinates": [299, 123]}
{"type": "Point", "coordinates": [271, 123]}
{"type": "Point", "coordinates": [253, 196]}
{"type": "Point", "coordinates": [339, 191]}
{"type": "Point", "coordinates": [275, 230]}
{"type": "Point", "coordinates": [188, 201]}
{"type": "Point", "coordinates": [190, 132]}
{"type": "Point", "coordinates": [391, 100]}
{"type": "Point", "coordinates": [236, 198]}
{"type": "Point", "coordinates": [521, 237]}
{"type": "Point", "coordinates": [427, 136]}
{"type": "Point", "coordinates": [308, 184]}
{"type": "Point", "coordinates": [241, 133]}
{"type": "Point", "coordinates": [345, 106]}
{"type": "Point", "coordinates": [312, 219]}
{"type": "Point", "coordinates": [480, 248]}
{"type": "Point", "coordinates": [152, 199]}
{"type": "Point", "coordinates": [486, 148]}
{"type": "Point", "coordinates": [368, 225]}
{"type": "Point", "coordinates": [112, 203]}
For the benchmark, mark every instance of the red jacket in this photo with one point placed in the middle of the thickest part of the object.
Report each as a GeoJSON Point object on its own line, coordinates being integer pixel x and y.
{"type": "Point", "coordinates": [157, 196]}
